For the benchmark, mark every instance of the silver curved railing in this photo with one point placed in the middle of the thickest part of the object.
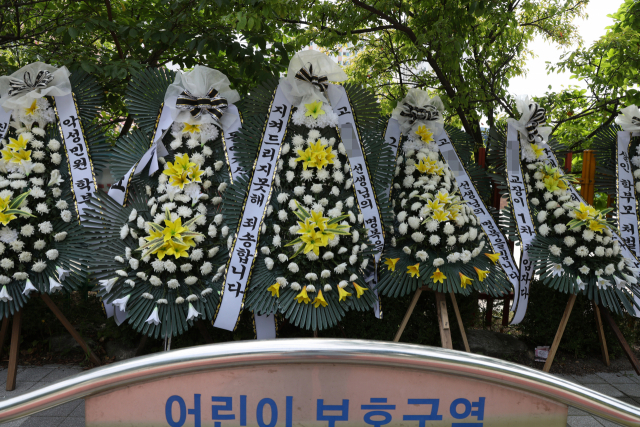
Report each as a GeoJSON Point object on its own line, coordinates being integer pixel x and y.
{"type": "Point", "coordinates": [359, 352]}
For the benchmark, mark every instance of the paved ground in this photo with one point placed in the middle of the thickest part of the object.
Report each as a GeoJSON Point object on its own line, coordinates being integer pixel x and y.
{"type": "Point", "coordinates": [622, 385]}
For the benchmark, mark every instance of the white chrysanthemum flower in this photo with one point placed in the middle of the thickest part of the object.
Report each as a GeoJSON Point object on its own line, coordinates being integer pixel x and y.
{"type": "Point", "coordinates": [24, 256]}
{"type": "Point", "coordinates": [169, 266]}
{"type": "Point", "coordinates": [448, 228]}
{"type": "Point", "coordinates": [569, 241]}
{"type": "Point", "coordinates": [155, 281]}
{"type": "Point", "coordinates": [27, 230]}
{"type": "Point", "coordinates": [542, 216]}
{"type": "Point", "coordinates": [544, 229]}
{"type": "Point", "coordinates": [599, 251]}
{"type": "Point", "coordinates": [560, 228]}
{"type": "Point", "coordinates": [609, 269]}
{"type": "Point", "coordinates": [402, 228]}
{"type": "Point", "coordinates": [555, 250]}
{"type": "Point", "coordinates": [39, 266]}
{"type": "Point", "coordinates": [206, 268]}
{"type": "Point", "coordinates": [418, 237]}
{"type": "Point", "coordinates": [6, 263]}
{"type": "Point", "coordinates": [434, 239]}
{"type": "Point", "coordinates": [422, 255]}
{"type": "Point", "coordinates": [567, 261]}
{"type": "Point", "coordinates": [38, 245]}
{"type": "Point", "coordinates": [173, 284]}
{"type": "Point", "coordinates": [438, 262]}
{"type": "Point", "coordinates": [406, 250]}
{"type": "Point", "coordinates": [582, 251]}
{"type": "Point", "coordinates": [52, 254]}
{"type": "Point", "coordinates": [588, 235]}
{"type": "Point", "coordinates": [414, 222]}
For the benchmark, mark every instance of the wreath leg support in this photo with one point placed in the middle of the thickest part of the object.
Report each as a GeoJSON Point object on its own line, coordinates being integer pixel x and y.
{"type": "Point", "coordinates": [601, 338]}
{"type": "Point", "coordinates": [443, 319]}
{"type": "Point", "coordinates": [623, 342]}
{"type": "Point", "coordinates": [3, 333]}
{"type": "Point", "coordinates": [12, 370]}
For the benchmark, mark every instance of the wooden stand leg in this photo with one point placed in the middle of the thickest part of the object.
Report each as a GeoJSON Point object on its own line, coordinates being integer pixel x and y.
{"type": "Point", "coordinates": [143, 342]}
{"type": "Point", "coordinates": [505, 313]}
{"type": "Point", "coordinates": [202, 327]}
{"type": "Point", "coordinates": [601, 338]}
{"type": "Point", "coordinates": [443, 321]}
{"type": "Point", "coordinates": [3, 333]}
{"type": "Point", "coordinates": [623, 342]}
{"type": "Point", "coordinates": [488, 317]}
{"type": "Point", "coordinates": [408, 315]}
{"type": "Point", "coordinates": [54, 308]}
{"type": "Point", "coordinates": [459, 319]}
{"type": "Point", "coordinates": [561, 327]}
{"type": "Point", "coordinates": [14, 351]}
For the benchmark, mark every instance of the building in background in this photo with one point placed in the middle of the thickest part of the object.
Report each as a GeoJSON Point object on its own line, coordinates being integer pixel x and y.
{"type": "Point", "coordinates": [344, 56]}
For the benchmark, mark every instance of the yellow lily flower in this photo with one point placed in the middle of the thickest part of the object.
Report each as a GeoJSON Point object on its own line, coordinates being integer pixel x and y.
{"type": "Point", "coordinates": [4, 203]}
{"type": "Point", "coordinates": [319, 219]}
{"type": "Point", "coordinates": [414, 270]}
{"type": "Point", "coordinates": [307, 158]}
{"type": "Point", "coordinates": [539, 151]}
{"type": "Point", "coordinates": [596, 226]}
{"type": "Point", "coordinates": [195, 173]}
{"type": "Point", "coordinates": [162, 251]}
{"type": "Point", "coordinates": [343, 294]}
{"type": "Point", "coordinates": [306, 227]}
{"type": "Point", "coordinates": [302, 296]}
{"type": "Point", "coordinates": [482, 274]}
{"type": "Point", "coordinates": [391, 263]}
{"type": "Point", "coordinates": [443, 197]}
{"type": "Point", "coordinates": [31, 110]}
{"type": "Point", "coordinates": [329, 155]}
{"type": "Point", "coordinates": [179, 180]}
{"type": "Point", "coordinates": [182, 163]}
{"type": "Point", "coordinates": [435, 204]}
{"type": "Point", "coordinates": [438, 276]}
{"type": "Point", "coordinates": [173, 229]}
{"type": "Point", "coordinates": [440, 215]}
{"type": "Point", "coordinates": [313, 241]}
{"type": "Point", "coordinates": [425, 134]}
{"type": "Point", "coordinates": [453, 215]}
{"type": "Point", "coordinates": [314, 109]}
{"type": "Point", "coordinates": [21, 156]}
{"type": "Point", "coordinates": [493, 257]}
{"type": "Point", "coordinates": [191, 128]}
{"type": "Point", "coordinates": [319, 301]}
{"type": "Point", "coordinates": [550, 183]}
{"type": "Point", "coordinates": [18, 144]}
{"type": "Point", "coordinates": [275, 290]}
{"type": "Point", "coordinates": [359, 289]}
{"type": "Point", "coordinates": [422, 167]}
{"type": "Point", "coordinates": [585, 212]}
{"type": "Point", "coordinates": [464, 280]}
{"type": "Point", "coordinates": [5, 219]}
{"type": "Point", "coordinates": [7, 155]}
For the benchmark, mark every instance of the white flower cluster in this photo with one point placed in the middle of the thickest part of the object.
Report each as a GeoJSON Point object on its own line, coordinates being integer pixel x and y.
{"type": "Point", "coordinates": [431, 216]}
{"type": "Point", "coordinates": [315, 173]}
{"type": "Point", "coordinates": [192, 135]}
{"type": "Point", "coordinates": [177, 273]}
{"type": "Point", "coordinates": [301, 117]}
{"type": "Point", "coordinates": [30, 162]}
{"type": "Point", "coordinates": [587, 249]}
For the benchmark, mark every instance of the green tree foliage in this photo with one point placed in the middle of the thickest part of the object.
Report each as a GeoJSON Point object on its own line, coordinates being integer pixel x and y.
{"type": "Point", "coordinates": [464, 50]}
{"type": "Point", "coordinates": [113, 39]}
{"type": "Point", "coordinates": [609, 67]}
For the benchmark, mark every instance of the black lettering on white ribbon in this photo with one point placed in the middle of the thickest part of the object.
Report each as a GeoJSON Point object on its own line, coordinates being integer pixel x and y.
{"type": "Point", "coordinates": [43, 78]}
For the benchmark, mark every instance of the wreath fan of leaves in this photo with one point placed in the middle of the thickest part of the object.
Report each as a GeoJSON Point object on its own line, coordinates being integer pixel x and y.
{"type": "Point", "coordinates": [103, 219]}
{"type": "Point", "coordinates": [247, 142]}
{"type": "Point", "coordinates": [145, 96]}
{"type": "Point", "coordinates": [605, 144]}
{"type": "Point", "coordinates": [611, 297]}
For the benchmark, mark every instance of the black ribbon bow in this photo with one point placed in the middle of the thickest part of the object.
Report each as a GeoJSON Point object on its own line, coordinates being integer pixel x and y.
{"type": "Point", "coordinates": [321, 82]}
{"type": "Point", "coordinates": [537, 118]}
{"type": "Point", "coordinates": [211, 104]}
{"type": "Point", "coordinates": [42, 80]}
{"type": "Point", "coordinates": [427, 113]}
{"type": "Point", "coordinates": [635, 121]}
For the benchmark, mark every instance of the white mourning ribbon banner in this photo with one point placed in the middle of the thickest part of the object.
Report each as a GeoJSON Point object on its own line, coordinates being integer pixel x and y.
{"type": "Point", "coordinates": [120, 189]}
{"type": "Point", "coordinates": [265, 324]}
{"type": "Point", "coordinates": [232, 117]}
{"type": "Point", "coordinates": [80, 166]}
{"type": "Point", "coordinates": [5, 118]}
{"type": "Point", "coordinates": [469, 194]}
{"type": "Point", "coordinates": [627, 253]}
{"type": "Point", "coordinates": [627, 208]}
{"type": "Point", "coordinates": [362, 186]}
{"type": "Point", "coordinates": [524, 222]}
{"type": "Point", "coordinates": [246, 242]}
